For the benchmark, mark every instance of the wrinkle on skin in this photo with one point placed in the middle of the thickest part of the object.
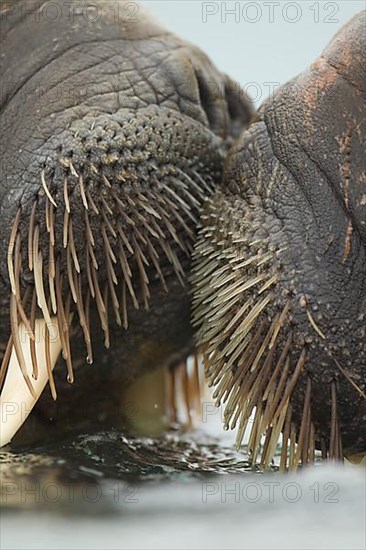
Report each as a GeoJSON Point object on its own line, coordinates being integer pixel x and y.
{"type": "Point", "coordinates": [346, 169]}
{"type": "Point", "coordinates": [292, 188]}
{"type": "Point", "coordinates": [128, 170]}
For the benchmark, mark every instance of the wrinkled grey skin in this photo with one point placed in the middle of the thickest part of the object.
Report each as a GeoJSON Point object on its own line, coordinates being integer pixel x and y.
{"type": "Point", "coordinates": [296, 180]}
{"type": "Point", "coordinates": [118, 93]}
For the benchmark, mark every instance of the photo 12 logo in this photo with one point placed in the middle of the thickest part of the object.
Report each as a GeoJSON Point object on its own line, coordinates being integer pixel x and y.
{"type": "Point", "coordinates": [52, 10]}
{"type": "Point", "coordinates": [269, 491]}
{"type": "Point", "coordinates": [51, 492]}
{"type": "Point", "coordinates": [269, 12]}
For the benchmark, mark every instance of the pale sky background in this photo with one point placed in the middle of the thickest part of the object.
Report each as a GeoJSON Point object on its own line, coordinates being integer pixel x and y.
{"type": "Point", "coordinates": [253, 49]}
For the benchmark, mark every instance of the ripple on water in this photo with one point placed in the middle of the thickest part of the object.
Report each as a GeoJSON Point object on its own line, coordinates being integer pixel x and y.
{"type": "Point", "coordinates": [175, 491]}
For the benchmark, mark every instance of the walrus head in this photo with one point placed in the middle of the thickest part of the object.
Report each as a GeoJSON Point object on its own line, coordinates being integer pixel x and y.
{"type": "Point", "coordinates": [280, 265]}
{"type": "Point", "coordinates": [113, 131]}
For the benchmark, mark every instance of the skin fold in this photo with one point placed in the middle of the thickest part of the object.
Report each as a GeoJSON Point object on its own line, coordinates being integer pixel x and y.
{"type": "Point", "coordinates": [113, 132]}
{"type": "Point", "coordinates": [280, 265]}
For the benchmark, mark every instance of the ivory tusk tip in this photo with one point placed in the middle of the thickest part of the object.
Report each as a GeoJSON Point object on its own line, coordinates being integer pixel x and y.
{"type": "Point", "coordinates": [19, 394]}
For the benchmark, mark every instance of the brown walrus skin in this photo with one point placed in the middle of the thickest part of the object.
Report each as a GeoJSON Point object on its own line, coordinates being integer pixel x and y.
{"type": "Point", "coordinates": [281, 259]}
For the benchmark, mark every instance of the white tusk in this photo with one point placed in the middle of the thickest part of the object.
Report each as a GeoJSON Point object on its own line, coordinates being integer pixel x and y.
{"type": "Point", "coordinates": [16, 401]}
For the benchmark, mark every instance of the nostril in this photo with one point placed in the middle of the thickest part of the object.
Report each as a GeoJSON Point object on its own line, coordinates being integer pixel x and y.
{"type": "Point", "coordinates": [227, 107]}
{"type": "Point", "coordinates": [240, 107]}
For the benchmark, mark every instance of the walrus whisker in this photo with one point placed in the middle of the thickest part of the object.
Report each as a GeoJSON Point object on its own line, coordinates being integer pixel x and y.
{"type": "Point", "coordinates": [106, 181]}
{"type": "Point", "coordinates": [154, 256]}
{"type": "Point", "coordinates": [68, 358]}
{"type": "Point", "coordinates": [38, 280]}
{"type": "Point", "coordinates": [185, 188]}
{"type": "Point", "coordinates": [144, 280]}
{"type": "Point", "coordinates": [46, 190]}
{"type": "Point", "coordinates": [47, 205]}
{"type": "Point", "coordinates": [98, 295]}
{"type": "Point", "coordinates": [127, 276]}
{"type": "Point", "coordinates": [88, 272]}
{"type": "Point", "coordinates": [17, 344]}
{"type": "Point", "coordinates": [285, 439]}
{"type": "Point", "coordinates": [179, 200]}
{"type": "Point", "coordinates": [66, 195]}
{"type": "Point", "coordinates": [89, 234]}
{"type": "Point", "coordinates": [91, 254]}
{"type": "Point", "coordinates": [304, 433]}
{"type": "Point", "coordinates": [106, 207]}
{"type": "Point", "coordinates": [30, 236]}
{"type": "Point", "coordinates": [32, 342]}
{"type": "Point", "coordinates": [91, 201]}
{"type": "Point", "coordinates": [107, 225]}
{"type": "Point", "coordinates": [335, 443]}
{"type": "Point", "coordinates": [65, 233]}
{"type": "Point", "coordinates": [204, 184]}
{"type": "Point", "coordinates": [124, 240]}
{"type": "Point", "coordinates": [124, 305]}
{"type": "Point", "coordinates": [187, 230]}
{"type": "Point", "coordinates": [11, 246]}
{"type": "Point", "coordinates": [112, 282]}
{"type": "Point", "coordinates": [271, 281]}
{"type": "Point", "coordinates": [107, 246]}
{"type": "Point", "coordinates": [144, 203]}
{"type": "Point", "coordinates": [51, 286]}
{"type": "Point", "coordinates": [347, 376]}
{"type": "Point", "coordinates": [279, 324]}
{"type": "Point", "coordinates": [72, 169]}
{"type": "Point", "coordinates": [48, 364]}
{"type": "Point", "coordinates": [115, 302]}
{"type": "Point", "coordinates": [70, 276]}
{"type": "Point", "coordinates": [146, 227]}
{"type": "Point", "coordinates": [71, 245]}
{"type": "Point", "coordinates": [292, 382]}
{"type": "Point", "coordinates": [17, 270]}
{"type": "Point", "coordinates": [81, 313]}
{"type": "Point", "coordinates": [272, 387]}
{"type": "Point", "coordinates": [273, 438]}
{"type": "Point", "coordinates": [82, 192]}
{"type": "Point", "coordinates": [193, 184]}
{"type": "Point", "coordinates": [51, 257]}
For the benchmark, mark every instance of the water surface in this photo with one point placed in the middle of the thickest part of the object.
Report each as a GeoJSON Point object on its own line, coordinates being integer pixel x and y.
{"type": "Point", "coordinates": [191, 490]}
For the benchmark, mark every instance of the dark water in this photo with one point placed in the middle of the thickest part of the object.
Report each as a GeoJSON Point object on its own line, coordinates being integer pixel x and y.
{"type": "Point", "coordinates": [177, 491]}
{"type": "Point", "coordinates": [89, 461]}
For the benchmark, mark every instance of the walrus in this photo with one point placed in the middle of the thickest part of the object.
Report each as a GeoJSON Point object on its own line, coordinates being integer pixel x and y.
{"type": "Point", "coordinates": [114, 132]}
{"type": "Point", "coordinates": [279, 274]}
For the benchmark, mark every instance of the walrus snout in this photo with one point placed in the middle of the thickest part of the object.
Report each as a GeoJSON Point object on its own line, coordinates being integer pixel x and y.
{"type": "Point", "coordinates": [112, 135]}
{"type": "Point", "coordinates": [110, 197]}
{"type": "Point", "coordinates": [280, 265]}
